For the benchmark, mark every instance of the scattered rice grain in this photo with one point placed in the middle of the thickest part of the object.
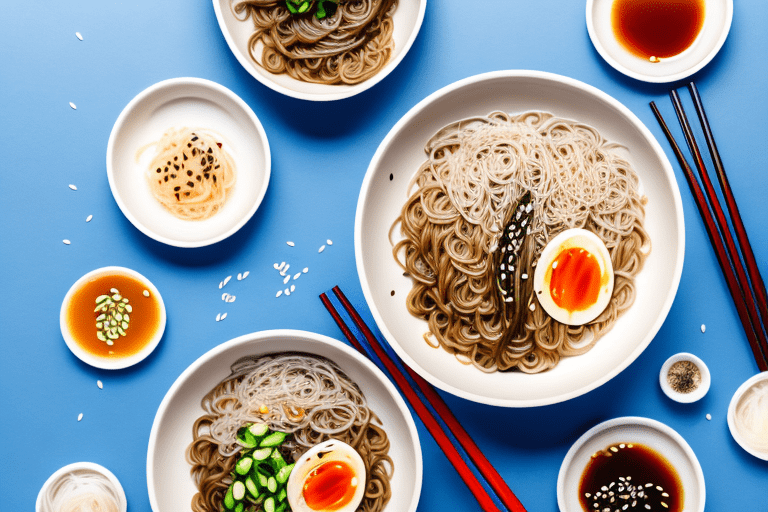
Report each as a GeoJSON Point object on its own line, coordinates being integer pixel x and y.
{"type": "Point", "coordinates": [287, 278]}
{"type": "Point", "coordinates": [100, 384]}
{"type": "Point", "coordinates": [293, 287]}
{"type": "Point", "coordinates": [245, 274]}
{"type": "Point", "coordinates": [79, 35]}
{"type": "Point", "coordinates": [703, 328]}
{"type": "Point", "coordinates": [279, 293]}
{"type": "Point", "coordinates": [290, 244]}
{"type": "Point", "coordinates": [306, 269]}
{"type": "Point", "coordinates": [80, 417]}
{"type": "Point", "coordinates": [72, 187]}
{"type": "Point", "coordinates": [329, 242]}
{"type": "Point", "coordinates": [287, 291]}
{"type": "Point", "coordinates": [226, 280]}
{"type": "Point", "coordinates": [223, 316]}
{"type": "Point", "coordinates": [321, 249]}
{"type": "Point", "coordinates": [239, 277]}
{"type": "Point", "coordinates": [709, 417]}
{"type": "Point", "coordinates": [218, 317]}
{"type": "Point", "coordinates": [74, 107]}
{"type": "Point", "coordinates": [296, 276]}
{"type": "Point", "coordinates": [66, 242]}
{"type": "Point", "coordinates": [88, 218]}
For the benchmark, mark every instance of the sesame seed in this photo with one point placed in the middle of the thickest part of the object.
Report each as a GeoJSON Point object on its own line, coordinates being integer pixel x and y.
{"type": "Point", "coordinates": [709, 417]}
{"type": "Point", "coordinates": [279, 293]}
{"type": "Point", "coordinates": [245, 274]}
{"type": "Point", "coordinates": [290, 244]}
{"type": "Point", "coordinates": [72, 187]}
{"type": "Point", "coordinates": [218, 317]}
{"type": "Point", "coordinates": [703, 328]}
{"type": "Point", "coordinates": [145, 293]}
{"type": "Point", "coordinates": [296, 276]}
{"type": "Point", "coordinates": [532, 307]}
{"type": "Point", "coordinates": [80, 417]}
{"type": "Point", "coordinates": [321, 249]}
{"type": "Point", "coordinates": [306, 269]}
{"type": "Point", "coordinates": [329, 242]}
{"type": "Point", "coordinates": [287, 291]}
{"type": "Point", "coordinates": [88, 218]}
{"type": "Point", "coordinates": [66, 242]}
{"type": "Point", "coordinates": [99, 383]}
{"type": "Point", "coordinates": [79, 36]}
{"type": "Point", "coordinates": [554, 265]}
{"type": "Point", "coordinates": [74, 107]}
{"type": "Point", "coordinates": [524, 276]}
{"type": "Point", "coordinates": [239, 277]}
{"type": "Point", "coordinates": [223, 316]}
{"type": "Point", "coordinates": [287, 278]}
{"type": "Point", "coordinates": [226, 280]}
{"type": "Point", "coordinates": [293, 287]}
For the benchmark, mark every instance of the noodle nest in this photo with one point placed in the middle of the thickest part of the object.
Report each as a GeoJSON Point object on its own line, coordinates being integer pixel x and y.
{"type": "Point", "coordinates": [348, 47]}
{"type": "Point", "coordinates": [476, 172]}
{"type": "Point", "coordinates": [305, 395]}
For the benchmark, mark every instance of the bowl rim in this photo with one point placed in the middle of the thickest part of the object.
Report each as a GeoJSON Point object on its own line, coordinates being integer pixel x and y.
{"type": "Point", "coordinates": [102, 362]}
{"type": "Point", "coordinates": [685, 398]}
{"type": "Point", "coordinates": [135, 103]}
{"type": "Point", "coordinates": [353, 90]}
{"type": "Point", "coordinates": [412, 114]}
{"type": "Point", "coordinates": [76, 466]}
{"type": "Point", "coordinates": [760, 377]}
{"type": "Point", "coordinates": [672, 77]}
{"type": "Point", "coordinates": [637, 421]}
{"type": "Point", "coordinates": [311, 337]}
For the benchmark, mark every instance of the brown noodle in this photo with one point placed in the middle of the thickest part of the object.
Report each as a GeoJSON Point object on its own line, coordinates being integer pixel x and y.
{"type": "Point", "coordinates": [306, 395]}
{"type": "Point", "coordinates": [348, 47]}
{"type": "Point", "coordinates": [477, 170]}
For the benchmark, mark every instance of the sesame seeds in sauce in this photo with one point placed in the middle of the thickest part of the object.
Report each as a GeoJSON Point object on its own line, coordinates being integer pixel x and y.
{"type": "Point", "coordinates": [684, 377]}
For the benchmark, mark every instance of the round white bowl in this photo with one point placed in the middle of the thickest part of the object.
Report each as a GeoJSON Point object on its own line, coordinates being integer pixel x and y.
{"type": "Point", "coordinates": [693, 396]}
{"type": "Point", "coordinates": [171, 434]}
{"type": "Point", "coordinates": [760, 377]}
{"type": "Point", "coordinates": [103, 362]}
{"type": "Point", "coordinates": [717, 23]}
{"type": "Point", "coordinates": [651, 433]}
{"type": "Point", "coordinates": [381, 199]}
{"type": "Point", "coordinates": [192, 103]}
{"type": "Point", "coordinates": [407, 23]}
{"type": "Point", "coordinates": [82, 468]}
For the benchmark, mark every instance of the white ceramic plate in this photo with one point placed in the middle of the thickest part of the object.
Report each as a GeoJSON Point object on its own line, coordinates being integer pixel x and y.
{"type": "Point", "coordinates": [717, 23]}
{"type": "Point", "coordinates": [381, 200]}
{"type": "Point", "coordinates": [645, 431]}
{"type": "Point", "coordinates": [407, 22]}
{"type": "Point", "coordinates": [192, 103]}
{"type": "Point", "coordinates": [81, 469]}
{"type": "Point", "coordinates": [103, 362]}
{"type": "Point", "coordinates": [760, 377]}
{"type": "Point", "coordinates": [170, 485]}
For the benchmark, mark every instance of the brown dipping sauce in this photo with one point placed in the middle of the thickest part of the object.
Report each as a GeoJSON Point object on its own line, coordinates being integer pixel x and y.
{"type": "Point", "coordinates": [144, 318]}
{"type": "Point", "coordinates": [657, 29]}
{"type": "Point", "coordinates": [631, 474]}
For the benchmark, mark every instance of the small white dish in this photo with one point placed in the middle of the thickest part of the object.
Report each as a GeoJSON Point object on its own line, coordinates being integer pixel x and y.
{"type": "Point", "coordinates": [630, 429]}
{"type": "Point", "coordinates": [111, 363]}
{"type": "Point", "coordinates": [80, 468]}
{"type": "Point", "coordinates": [407, 23]}
{"type": "Point", "coordinates": [737, 396]}
{"type": "Point", "coordinates": [696, 394]}
{"type": "Point", "coordinates": [717, 23]}
{"type": "Point", "coordinates": [192, 103]}
{"type": "Point", "coordinates": [171, 434]}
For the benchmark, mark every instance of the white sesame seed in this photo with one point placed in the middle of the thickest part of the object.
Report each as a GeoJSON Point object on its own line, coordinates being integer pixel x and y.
{"type": "Point", "coordinates": [321, 249]}
{"type": "Point", "coordinates": [79, 36]}
{"type": "Point", "coordinates": [74, 107]}
{"type": "Point", "coordinates": [239, 277]}
{"type": "Point", "coordinates": [224, 296]}
{"type": "Point", "coordinates": [279, 293]}
{"type": "Point", "coordinates": [245, 274]}
{"type": "Point", "coordinates": [703, 328]}
{"type": "Point", "coordinates": [80, 417]}
{"type": "Point", "coordinates": [72, 187]}
{"type": "Point", "coordinates": [145, 293]}
{"type": "Point", "coordinates": [88, 218]}
{"type": "Point", "coordinates": [532, 307]}
{"type": "Point", "coordinates": [524, 276]}
{"type": "Point", "coordinates": [287, 278]}
{"type": "Point", "coordinates": [287, 291]}
{"type": "Point", "coordinates": [66, 242]}
{"type": "Point", "coordinates": [218, 317]}
{"type": "Point", "coordinates": [554, 265]}
{"type": "Point", "coordinates": [100, 384]}
{"type": "Point", "coordinates": [329, 242]}
{"type": "Point", "coordinates": [296, 276]}
{"type": "Point", "coordinates": [226, 280]}
{"type": "Point", "coordinates": [306, 269]}
{"type": "Point", "coordinates": [709, 417]}
{"type": "Point", "coordinates": [223, 316]}
{"type": "Point", "coordinates": [290, 244]}
{"type": "Point", "coordinates": [293, 287]}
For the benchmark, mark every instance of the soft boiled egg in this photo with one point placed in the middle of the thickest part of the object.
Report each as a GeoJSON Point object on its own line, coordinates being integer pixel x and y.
{"type": "Point", "coordinates": [574, 277]}
{"type": "Point", "coordinates": [330, 477]}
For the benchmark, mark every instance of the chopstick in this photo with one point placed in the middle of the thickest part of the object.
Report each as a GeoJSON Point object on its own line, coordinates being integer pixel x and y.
{"type": "Point", "coordinates": [719, 235]}
{"type": "Point", "coordinates": [437, 417]}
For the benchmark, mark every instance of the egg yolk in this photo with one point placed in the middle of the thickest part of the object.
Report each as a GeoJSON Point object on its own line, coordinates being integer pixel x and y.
{"type": "Point", "coordinates": [330, 486]}
{"type": "Point", "coordinates": [575, 280]}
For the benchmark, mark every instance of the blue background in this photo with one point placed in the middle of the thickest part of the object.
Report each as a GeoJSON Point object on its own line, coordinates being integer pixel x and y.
{"type": "Point", "coordinates": [320, 152]}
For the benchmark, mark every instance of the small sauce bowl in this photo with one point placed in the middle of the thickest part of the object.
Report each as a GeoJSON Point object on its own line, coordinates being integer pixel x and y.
{"type": "Point", "coordinates": [678, 396]}
{"type": "Point", "coordinates": [737, 396]}
{"type": "Point", "coordinates": [82, 468]}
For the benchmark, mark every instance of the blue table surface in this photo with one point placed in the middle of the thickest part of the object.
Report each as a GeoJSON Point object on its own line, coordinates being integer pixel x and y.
{"type": "Point", "coordinates": [320, 152]}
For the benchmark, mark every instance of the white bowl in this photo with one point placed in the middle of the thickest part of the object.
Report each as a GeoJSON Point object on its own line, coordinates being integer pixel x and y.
{"type": "Point", "coordinates": [760, 377]}
{"type": "Point", "coordinates": [693, 396]}
{"type": "Point", "coordinates": [103, 362]}
{"type": "Point", "coordinates": [651, 433]}
{"type": "Point", "coordinates": [192, 103]}
{"type": "Point", "coordinates": [407, 22]}
{"type": "Point", "coordinates": [82, 468]}
{"type": "Point", "coordinates": [171, 434]}
{"type": "Point", "coordinates": [381, 199]}
{"type": "Point", "coordinates": [717, 23]}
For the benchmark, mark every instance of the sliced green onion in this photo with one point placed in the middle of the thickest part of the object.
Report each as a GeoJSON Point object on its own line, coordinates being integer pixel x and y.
{"type": "Point", "coordinates": [240, 507]}
{"type": "Point", "coordinates": [273, 439]}
{"type": "Point", "coordinates": [282, 507]}
{"type": "Point", "coordinates": [229, 499]}
{"type": "Point", "coordinates": [244, 465]}
{"type": "Point", "coordinates": [278, 462]}
{"type": "Point", "coordinates": [272, 484]}
{"type": "Point", "coordinates": [263, 480]}
{"type": "Point", "coordinates": [258, 429]}
{"type": "Point", "coordinates": [304, 7]}
{"type": "Point", "coordinates": [251, 486]}
{"type": "Point", "coordinates": [284, 473]}
{"type": "Point", "coordinates": [282, 494]}
{"type": "Point", "coordinates": [238, 490]}
{"type": "Point", "coordinates": [262, 454]}
{"type": "Point", "coordinates": [269, 504]}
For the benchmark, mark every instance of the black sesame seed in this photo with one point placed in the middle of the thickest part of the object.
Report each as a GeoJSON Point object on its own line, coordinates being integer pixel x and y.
{"type": "Point", "coordinates": [177, 196]}
{"type": "Point", "coordinates": [217, 167]}
{"type": "Point", "coordinates": [173, 176]}
{"type": "Point", "coordinates": [166, 179]}
{"type": "Point", "coordinates": [207, 175]}
{"type": "Point", "coordinates": [176, 159]}
{"type": "Point", "coordinates": [194, 151]}
{"type": "Point", "coordinates": [176, 167]}
{"type": "Point", "coordinates": [186, 194]}
{"type": "Point", "coordinates": [190, 184]}
{"type": "Point", "coordinates": [184, 155]}
{"type": "Point", "coordinates": [391, 177]}
{"type": "Point", "coordinates": [210, 150]}
{"type": "Point", "coordinates": [176, 189]}
{"type": "Point", "coordinates": [210, 159]}
{"type": "Point", "coordinates": [189, 173]}
{"type": "Point", "coordinates": [194, 138]}
{"type": "Point", "coordinates": [158, 170]}
{"type": "Point", "coordinates": [199, 178]}
{"type": "Point", "coordinates": [189, 145]}
{"type": "Point", "coordinates": [166, 170]}
{"type": "Point", "coordinates": [214, 178]}
{"type": "Point", "coordinates": [202, 161]}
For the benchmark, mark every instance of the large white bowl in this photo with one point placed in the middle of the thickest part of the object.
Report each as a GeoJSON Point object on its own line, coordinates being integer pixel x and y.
{"type": "Point", "coordinates": [651, 433]}
{"type": "Point", "coordinates": [382, 198]}
{"type": "Point", "coordinates": [168, 478]}
{"type": "Point", "coordinates": [191, 103]}
{"type": "Point", "coordinates": [407, 22]}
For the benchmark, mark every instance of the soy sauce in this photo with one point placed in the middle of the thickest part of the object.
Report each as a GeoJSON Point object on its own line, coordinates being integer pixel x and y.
{"type": "Point", "coordinates": [657, 29]}
{"type": "Point", "coordinates": [630, 474]}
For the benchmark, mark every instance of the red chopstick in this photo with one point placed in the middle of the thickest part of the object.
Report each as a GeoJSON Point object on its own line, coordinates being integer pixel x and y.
{"type": "Point", "coordinates": [434, 400]}
{"type": "Point", "coordinates": [717, 244]}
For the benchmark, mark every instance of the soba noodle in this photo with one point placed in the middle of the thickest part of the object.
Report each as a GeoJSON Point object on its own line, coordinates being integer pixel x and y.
{"type": "Point", "coordinates": [306, 395]}
{"type": "Point", "coordinates": [348, 47]}
{"type": "Point", "coordinates": [477, 170]}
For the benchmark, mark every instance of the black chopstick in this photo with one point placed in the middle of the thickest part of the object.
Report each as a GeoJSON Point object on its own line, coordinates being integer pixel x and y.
{"type": "Point", "coordinates": [417, 389]}
{"type": "Point", "coordinates": [753, 330]}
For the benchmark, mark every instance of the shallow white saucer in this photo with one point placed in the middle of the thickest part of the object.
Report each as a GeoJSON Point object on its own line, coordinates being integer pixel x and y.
{"type": "Point", "coordinates": [752, 381]}
{"type": "Point", "coordinates": [82, 468]}
{"type": "Point", "coordinates": [717, 23]}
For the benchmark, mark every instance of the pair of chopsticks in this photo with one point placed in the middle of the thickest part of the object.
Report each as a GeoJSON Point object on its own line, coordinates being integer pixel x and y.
{"type": "Point", "coordinates": [485, 483]}
{"type": "Point", "coordinates": [745, 284]}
